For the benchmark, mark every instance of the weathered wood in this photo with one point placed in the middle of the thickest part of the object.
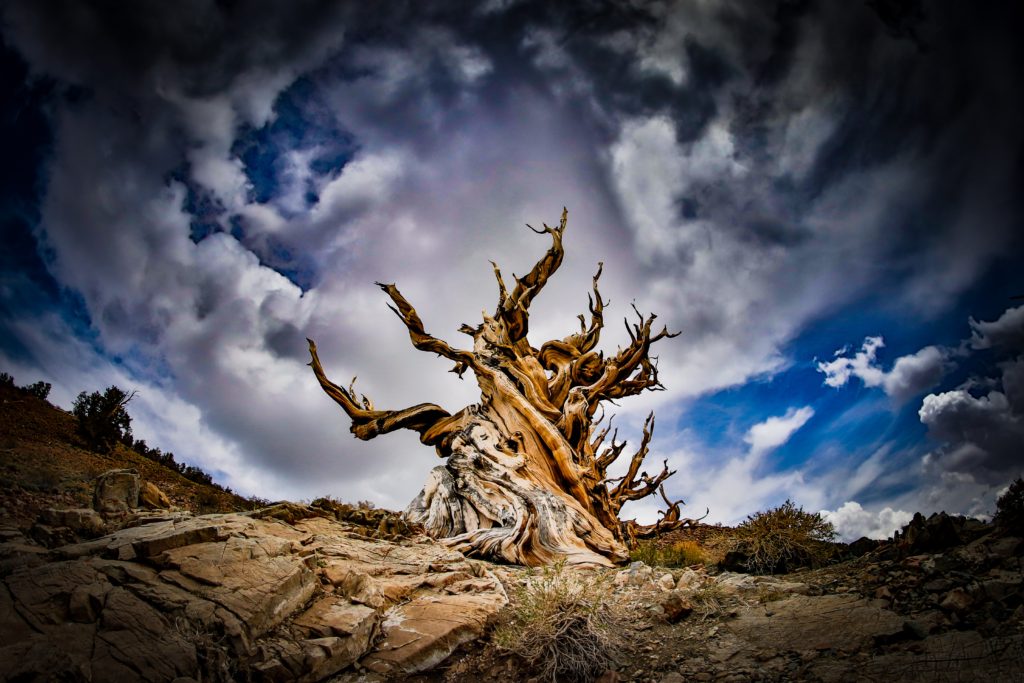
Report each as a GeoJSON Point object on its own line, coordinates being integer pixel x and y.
{"type": "Point", "coordinates": [524, 478]}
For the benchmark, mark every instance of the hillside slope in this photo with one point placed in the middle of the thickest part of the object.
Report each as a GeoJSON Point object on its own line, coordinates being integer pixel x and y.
{"type": "Point", "coordinates": [44, 463]}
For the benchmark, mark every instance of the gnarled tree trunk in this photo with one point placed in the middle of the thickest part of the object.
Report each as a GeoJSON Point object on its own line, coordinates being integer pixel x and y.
{"type": "Point", "coordinates": [524, 478]}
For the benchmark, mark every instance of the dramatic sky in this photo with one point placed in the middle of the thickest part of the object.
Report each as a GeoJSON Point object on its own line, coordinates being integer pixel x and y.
{"type": "Point", "coordinates": [825, 198]}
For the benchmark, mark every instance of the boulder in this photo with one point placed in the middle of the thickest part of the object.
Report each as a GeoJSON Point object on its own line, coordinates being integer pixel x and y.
{"type": "Point", "coordinates": [938, 532]}
{"type": "Point", "coordinates": [957, 600]}
{"type": "Point", "coordinates": [637, 574]}
{"type": "Point", "coordinates": [151, 497]}
{"type": "Point", "coordinates": [676, 607]}
{"type": "Point", "coordinates": [862, 546]}
{"type": "Point", "coordinates": [117, 491]}
{"type": "Point", "coordinates": [420, 634]}
{"type": "Point", "coordinates": [266, 599]}
{"type": "Point", "coordinates": [690, 579]}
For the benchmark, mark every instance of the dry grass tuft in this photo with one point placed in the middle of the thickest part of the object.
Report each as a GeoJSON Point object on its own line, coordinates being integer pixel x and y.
{"type": "Point", "coordinates": [562, 623]}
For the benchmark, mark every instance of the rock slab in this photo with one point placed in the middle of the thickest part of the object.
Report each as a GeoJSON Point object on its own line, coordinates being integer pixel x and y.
{"type": "Point", "coordinates": [228, 597]}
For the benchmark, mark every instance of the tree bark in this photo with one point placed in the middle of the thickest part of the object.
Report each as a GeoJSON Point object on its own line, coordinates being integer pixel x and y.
{"type": "Point", "coordinates": [524, 478]}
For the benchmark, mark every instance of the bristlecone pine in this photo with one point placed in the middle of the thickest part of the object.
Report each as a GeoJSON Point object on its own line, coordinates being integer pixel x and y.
{"type": "Point", "coordinates": [524, 479]}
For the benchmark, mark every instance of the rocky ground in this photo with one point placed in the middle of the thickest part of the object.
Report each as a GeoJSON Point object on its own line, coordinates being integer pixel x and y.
{"type": "Point", "coordinates": [288, 593]}
{"type": "Point", "coordinates": [105, 580]}
{"type": "Point", "coordinates": [327, 592]}
{"type": "Point", "coordinates": [893, 615]}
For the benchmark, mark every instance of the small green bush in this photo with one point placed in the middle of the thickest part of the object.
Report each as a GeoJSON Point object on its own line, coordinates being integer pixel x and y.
{"type": "Point", "coordinates": [102, 418]}
{"type": "Point", "coordinates": [679, 554]}
{"type": "Point", "coordinates": [561, 622]}
{"type": "Point", "coordinates": [1010, 507]}
{"type": "Point", "coordinates": [783, 538]}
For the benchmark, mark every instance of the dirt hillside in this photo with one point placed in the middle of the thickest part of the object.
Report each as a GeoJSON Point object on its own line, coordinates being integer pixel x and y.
{"type": "Point", "coordinates": [44, 464]}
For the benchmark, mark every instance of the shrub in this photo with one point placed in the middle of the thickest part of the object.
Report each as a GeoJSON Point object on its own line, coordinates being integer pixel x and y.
{"type": "Point", "coordinates": [102, 418]}
{"type": "Point", "coordinates": [40, 390]}
{"type": "Point", "coordinates": [678, 554]}
{"type": "Point", "coordinates": [207, 501]}
{"type": "Point", "coordinates": [561, 622]}
{"type": "Point", "coordinates": [1010, 507]}
{"type": "Point", "coordinates": [255, 502]}
{"type": "Point", "coordinates": [784, 538]}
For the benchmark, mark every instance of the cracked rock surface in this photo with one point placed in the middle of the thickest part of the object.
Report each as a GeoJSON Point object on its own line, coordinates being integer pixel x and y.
{"type": "Point", "coordinates": [290, 595]}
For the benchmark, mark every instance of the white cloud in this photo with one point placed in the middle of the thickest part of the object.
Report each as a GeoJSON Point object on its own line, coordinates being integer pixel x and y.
{"type": "Point", "coordinates": [776, 431]}
{"type": "Point", "coordinates": [647, 172]}
{"type": "Point", "coordinates": [862, 365]}
{"type": "Point", "coordinates": [909, 376]}
{"type": "Point", "coordinates": [805, 134]}
{"type": "Point", "coordinates": [365, 182]}
{"type": "Point", "coordinates": [852, 521]}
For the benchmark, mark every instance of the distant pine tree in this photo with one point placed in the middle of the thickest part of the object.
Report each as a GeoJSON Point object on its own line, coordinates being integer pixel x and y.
{"type": "Point", "coordinates": [40, 390]}
{"type": "Point", "coordinates": [102, 418]}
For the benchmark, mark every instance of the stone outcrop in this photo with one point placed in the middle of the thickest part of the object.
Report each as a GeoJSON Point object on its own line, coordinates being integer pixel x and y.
{"type": "Point", "coordinates": [225, 597]}
{"type": "Point", "coordinates": [152, 498]}
{"type": "Point", "coordinates": [117, 497]}
{"type": "Point", "coordinates": [936, 533]}
{"type": "Point", "coordinates": [117, 491]}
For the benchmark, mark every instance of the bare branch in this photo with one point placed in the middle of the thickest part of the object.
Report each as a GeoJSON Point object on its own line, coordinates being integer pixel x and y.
{"type": "Point", "coordinates": [596, 305]}
{"type": "Point", "coordinates": [598, 438]}
{"type": "Point", "coordinates": [629, 480]}
{"type": "Point", "coordinates": [367, 422]}
{"type": "Point", "coordinates": [616, 382]}
{"type": "Point", "coordinates": [649, 485]}
{"type": "Point", "coordinates": [670, 521]}
{"type": "Point", "coordinates": [610, 454]}
{"type": "Point", "coordinates": [420, 339]}
{"type": "Point", "coordinates": [502, 292]}
{"type": "Point", "coordinates": [513, 310]}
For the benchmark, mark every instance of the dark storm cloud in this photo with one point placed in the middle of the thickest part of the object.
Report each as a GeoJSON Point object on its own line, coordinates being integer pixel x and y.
{"type": "Point", "coordinates": [982, 434]}
{"type": "Point", "coordinates": [1005, 334]}
{"type": "Point", "coordinates": [981, 424]}
{"type": "Point", "coordinates": [201, 47]}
